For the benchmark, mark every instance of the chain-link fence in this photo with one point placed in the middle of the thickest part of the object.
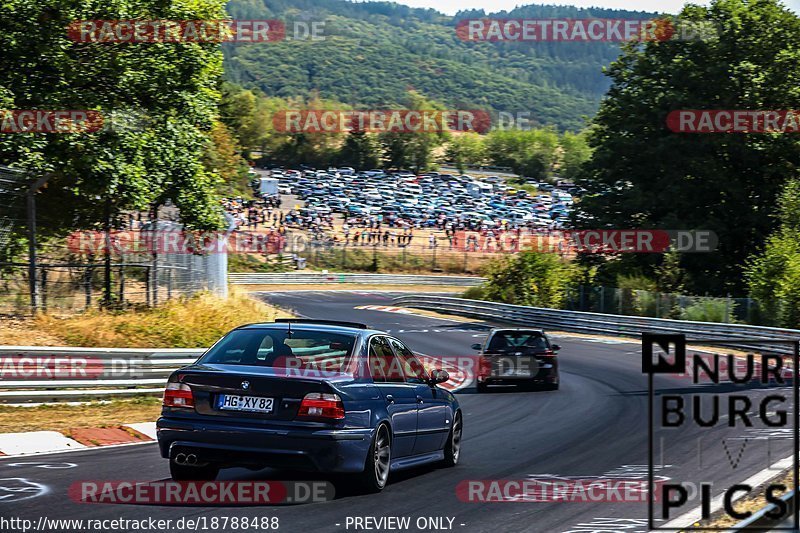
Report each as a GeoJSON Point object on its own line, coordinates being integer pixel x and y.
{"type": "Point", "coordinates": [388, 255]}
{"type": "Point", "coordinates": [613, 300]}
{"type": "Point", "coordinates": [91, 269]}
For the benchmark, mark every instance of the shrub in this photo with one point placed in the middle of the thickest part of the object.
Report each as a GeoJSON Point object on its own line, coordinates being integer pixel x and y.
{"type": "Point", "coordinates": [531, 278]}
{"type": "Point", "coordinates": [709, 310]}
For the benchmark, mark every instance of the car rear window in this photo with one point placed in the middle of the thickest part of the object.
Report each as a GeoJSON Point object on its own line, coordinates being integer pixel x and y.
{"type": "Point", "coordinates": [514, 340]}
{"type": "Point", "coordinates": [279, 348]}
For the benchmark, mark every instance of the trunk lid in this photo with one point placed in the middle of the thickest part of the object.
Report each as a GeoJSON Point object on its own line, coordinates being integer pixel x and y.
{"type": "Point", "coordinates": [209, 381]}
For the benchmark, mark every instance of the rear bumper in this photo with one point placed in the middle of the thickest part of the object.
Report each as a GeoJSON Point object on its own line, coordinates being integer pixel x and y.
{"type": "Point", "coordinates": [312, 449]}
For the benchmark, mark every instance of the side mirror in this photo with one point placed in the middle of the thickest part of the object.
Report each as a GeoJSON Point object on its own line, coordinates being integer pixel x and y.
{"type": "Point", "coordinates": [438, 376]}
{"type": "Point", "coordinates": [477, 346]}
{"type": "Point", "coordinates": [555, 347]}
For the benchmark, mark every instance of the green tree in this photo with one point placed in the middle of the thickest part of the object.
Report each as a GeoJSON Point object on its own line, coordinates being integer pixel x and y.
{"type": "Point", "coordinates": [530, 153]}
{"type": "Point", "coordinates": [575, 151]}
{"type": "Point", "coordinates": [414, 150]}
{"type": "Point", "coordinates": [774, 275]}
{"type": "Point", "coordinates": [360, 150]}
{"type": "Point", "coordinates": [531, 278]}
{"type": "Point", "coordinates": [465, 150]}
{"type": "Point", "coordinates": [642, 175]}
{"type": "Point", "coordinates": [159, 102]}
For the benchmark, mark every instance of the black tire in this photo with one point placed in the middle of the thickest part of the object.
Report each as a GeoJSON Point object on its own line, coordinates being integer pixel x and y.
{"type": "Point", "coordinates": [452, 450]}
{"type": "Point", "coordinates": [379, 459]}
{"type": "Point", "coordinates": [193, 473]}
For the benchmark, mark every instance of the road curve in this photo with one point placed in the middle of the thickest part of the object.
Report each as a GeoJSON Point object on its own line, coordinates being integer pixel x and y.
{"type": "Point", "coordinates": [595, 425]}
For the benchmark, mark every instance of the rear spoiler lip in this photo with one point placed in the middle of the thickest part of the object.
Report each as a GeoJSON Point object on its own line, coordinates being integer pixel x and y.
{"type": "Point", "coordinates": [266, 372]}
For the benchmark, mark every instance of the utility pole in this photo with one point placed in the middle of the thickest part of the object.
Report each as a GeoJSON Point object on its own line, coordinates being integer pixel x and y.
{"type": "Point", "coordinates": [31, 213]}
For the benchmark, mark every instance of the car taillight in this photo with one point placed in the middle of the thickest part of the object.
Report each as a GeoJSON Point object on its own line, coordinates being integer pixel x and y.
{"type": "Point", "coordinates": [321, 405]}
{"type": "Point", "coordinates": [484, 367]}
{"type": "Point", "coordinates": [547, 353]}
{"type": "Point", "coordinates": [178, 395]}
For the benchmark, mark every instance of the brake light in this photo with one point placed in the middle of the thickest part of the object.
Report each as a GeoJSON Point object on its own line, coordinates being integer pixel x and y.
{"type": "Point", "coordinates": [547, 353]}
{"type": "Point", "coordinates": [484, 368]}
{"type": "Point", "coordinates": [178, 395]}
{"type": "Point", "coordinates": [321, 405]}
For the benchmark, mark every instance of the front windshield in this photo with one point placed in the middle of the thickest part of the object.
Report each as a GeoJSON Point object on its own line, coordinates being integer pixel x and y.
{"type": "Point", "coordinates": [281, 348]}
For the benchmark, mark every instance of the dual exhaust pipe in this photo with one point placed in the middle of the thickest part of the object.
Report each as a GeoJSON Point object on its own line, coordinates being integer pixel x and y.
{"type": "Point", "coordinates": [186, 459]}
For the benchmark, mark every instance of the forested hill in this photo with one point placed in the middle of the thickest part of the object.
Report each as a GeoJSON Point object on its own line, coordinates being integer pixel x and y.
{"type": "Point", "coordinates": [373, 52]}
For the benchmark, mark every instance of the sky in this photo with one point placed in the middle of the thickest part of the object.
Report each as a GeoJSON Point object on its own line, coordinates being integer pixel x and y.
{"type": "Point", "coordinates": [663, 6]}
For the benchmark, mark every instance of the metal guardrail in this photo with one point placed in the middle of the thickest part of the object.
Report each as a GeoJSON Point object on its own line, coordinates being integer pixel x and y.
{"type": "Point", "coordinates": [759, 521]}
{"type": "Point", "coordinates": [731, 335]}
{"type": "Point", "coordinates": [319, 278]}
{"type": "Point", "coordinates": [143, 371]}
{"type": "Point", "coordinates": [151, 367]}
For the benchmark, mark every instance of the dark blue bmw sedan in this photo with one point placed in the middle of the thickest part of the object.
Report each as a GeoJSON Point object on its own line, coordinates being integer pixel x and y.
{"type": "Point", "coordinates": [308, 395]}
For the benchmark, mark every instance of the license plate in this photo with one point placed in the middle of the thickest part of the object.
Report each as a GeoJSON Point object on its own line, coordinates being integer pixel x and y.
{"type": "Point", "coordinates": [517, 373]}
{"type": "Point", "coordinates": [252, 404]}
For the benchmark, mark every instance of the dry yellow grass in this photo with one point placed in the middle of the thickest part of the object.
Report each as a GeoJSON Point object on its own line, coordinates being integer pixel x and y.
{"type": "Point", "coordinates": [195, 322]}
{"type": "Point", "coordinates": [64, 417]}
{"type": "Point", "coordinates": [19, 332]}
{"type": "Point", "coordinates": [753, 503]}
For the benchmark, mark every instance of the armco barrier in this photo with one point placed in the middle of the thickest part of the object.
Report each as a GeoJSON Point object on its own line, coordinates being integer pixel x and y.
{"type": "Point", "coordinates": [151, 367]}
{"type": "Point", "coordinates": [759, 521]}
{"type": "Point", "coordinates": [732, 335]}
{"type": "Point", "coordinates": [319, 278]}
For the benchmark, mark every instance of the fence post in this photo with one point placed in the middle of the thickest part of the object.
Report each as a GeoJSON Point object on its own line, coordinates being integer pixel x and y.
{"type": "Point", "coordinates": [169, 284]}
{"type": "Point", "coordinates": [44, 289]}
{"type": "Point", "coordinates": [107, 292]}
{"type": "Point", "coordinates": [122, 284]}
{"type": "Point", "coordinates": [728, 308]}
{"type": "Point", "coordinates": [31, 214]}
{"type": "Point", "coordinates": [87, 287]}
{"type": "Point", "coordinates": [147, 293]}
{"type": "Point", "coordinates": [602, 299]}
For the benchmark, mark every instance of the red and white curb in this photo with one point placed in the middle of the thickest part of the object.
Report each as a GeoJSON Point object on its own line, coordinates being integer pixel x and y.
{"type": "Point", "coordinates": [385, 309]}
{"type": "Point", "coordinates": [36, 442]}
{"type": "Point", "coordinates": [459, 379]}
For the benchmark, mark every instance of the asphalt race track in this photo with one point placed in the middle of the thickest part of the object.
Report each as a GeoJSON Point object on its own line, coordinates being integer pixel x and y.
{"type": "Point", "coordinates": [595, 425]}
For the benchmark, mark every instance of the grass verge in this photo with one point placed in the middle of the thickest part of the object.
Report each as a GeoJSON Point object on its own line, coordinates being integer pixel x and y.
{"type": "Point", "coordinates": [62, 418]}
{"type": "Point", "coordinates": [195, 322]}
